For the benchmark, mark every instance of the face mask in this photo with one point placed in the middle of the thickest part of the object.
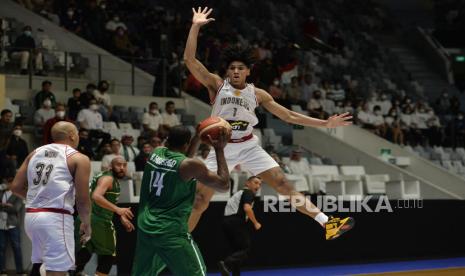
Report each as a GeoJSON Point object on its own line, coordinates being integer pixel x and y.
{"type": "Point", "coordinates": [70, 13]}
{"type": "Point", "coordinates": [154, 111]}
{"type": "Point", "coordinates": [47, 103]}
{"type": "Point", "coordinates": [17, 132]}
{"type": "Point", "coordinates": [445, 95]}
{"type": "Point", "coordinates": [116, 19]}
{"type": "Point", "coordinates": [103, 6]}
{"type": "Point", "coordinates": [93, 107]}
{"type": "Point", "coordinates": [28, 33]}
{"type": "Point", "coordinates": [393, 114]}
{"type": "Point", "coordinates": [460, 117]}
{"type": "Point", "coordinates": [276, 82]}
{"type": "Point", "coordinates": [60, 114]}
{"type": "Point", "coordinates": [408, 101]}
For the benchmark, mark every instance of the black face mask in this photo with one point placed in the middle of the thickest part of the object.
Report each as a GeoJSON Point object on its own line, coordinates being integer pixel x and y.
{"type": "Point", "coordinates": [317, 97]}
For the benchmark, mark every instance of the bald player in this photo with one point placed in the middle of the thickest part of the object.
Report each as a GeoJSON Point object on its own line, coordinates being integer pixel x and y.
{"type": "Point", "coordinates": [52, 179]}
{"type": "Point", "coordinates": [105, 190]}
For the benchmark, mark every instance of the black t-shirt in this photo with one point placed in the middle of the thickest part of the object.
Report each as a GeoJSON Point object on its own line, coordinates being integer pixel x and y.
{"type": "Point", "coordinates": [235, 205]}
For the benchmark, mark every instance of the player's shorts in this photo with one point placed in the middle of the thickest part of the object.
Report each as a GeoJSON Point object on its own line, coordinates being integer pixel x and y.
{"type": "Point", "coordinates": [249, 154]}
{"type": "Point", "coordinates": [179, 252]}
{"type": "Point", "coordinates": [52, 239]}
{"type": "Point", "coordinates": [103, 238]}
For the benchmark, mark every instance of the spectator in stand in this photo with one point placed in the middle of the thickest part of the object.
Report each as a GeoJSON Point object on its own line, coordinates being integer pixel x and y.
{"type": "Point", "coordinates": [141, 140]}
{"type": "Point", "coordinates": [43, 94]}
{"type": "Point", "coordinates": [17, 149]}
{"type": "Point", "coordinates": [94, 19]}
{"type": "Point", "coordinates": [348, 107]}
{"type": "Point", "coordinates": [6, 127]}
{"type": "Point", "coordinates": [407, 101]}
{"type": "Point", "coordinates": [114, 23]}
{"type": "Point", "coordinates": [85, 144]}
{"type": "Point", "coordinates": [336, 41]}
{"type": "Point", "coordinates": [434, 132]}
{"type": "Point", "coordinates": [443, 103]}
{"type": "Point", "coordinates": [314, 106]}
{"type": "Point", "coordinates": [420, 117]}
{"type": "Point", "coordinates": [128, 151]}
{"type": "Point", "coordinates": [456, 131]}
{"type": "Point", "coordinates": [373, 101]}
{"type": "Point", "coordinates": [10, 213]}
{"type": "Point", "coordinates": [115, 151]}
{"type": "Point", "coordinates": [60, 115]}
{"type": "Point", "coordinates": [103, 99]}
{"type": "Point", "coordinates": [275, 91]}
{"type": "Point", "coordinates": [297, 165]}
{"type": "Point", "coordinates": [365, 118]}
{"type": "Point", "coordinates": [394, 131]}
{"type": "Point", "coordinates": [88, 95]}
{"type": "Point", "coordinates": [43, 114]}
{"type": "Point", "coordinates": [378, 122]}
{"type": "Point", "coordinates": [105, 149]}
{"type": "Point", "coordinates": [328, 106]}
{"type": "Point", "coordinates": [71, 21]}
{"type": "Point", "coordinates": [407, 125]}
{"type": "Point", "coordinates": [75, 104]}
{"type": "Point", "coordinates": [385, 104]}
{"type": "Point", "coordinates": [23, 47]}
{"type": "Point", "coordinates": [152, 120]}
{"type": "Point", "coordinates": [122, 45]}
{"type": "Point", "coordinates": [307, 88]}
{"type": "Point", "coordinates": [143, 156]}
{"type": "Point", "coordinates": [156, 142]}
{"type": "Point", "coordinates": [293, 92]}
{"type": "Point", "coordinates": [170, 119]}
{"type": "Point", "coordinates": [91, 119]}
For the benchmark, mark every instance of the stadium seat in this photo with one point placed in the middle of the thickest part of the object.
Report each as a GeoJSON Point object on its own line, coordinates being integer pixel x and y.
{"type": "Point", "coordinates": [319, 176]}
{"type": "Point", "coordinates": [95, 167]}
{"type": "Point", "coordinates": [401, 189]}
{"type": "Point", "coordinates": [125, 126]}
{"type": "Point", "coordinates": [373, 184]}
{"type": "Point", "coordinates": [127, 192]}
{"type": "Point", "coordinates": [299, 182]}
{"type": "Point", "coordinates": [109, 126]}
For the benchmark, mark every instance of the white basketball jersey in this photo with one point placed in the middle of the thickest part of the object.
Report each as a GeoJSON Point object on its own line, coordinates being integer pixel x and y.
{"type": "Point", "coordinates": [237, 107]}
{"type": "Point", "coordinates": [50, 184]}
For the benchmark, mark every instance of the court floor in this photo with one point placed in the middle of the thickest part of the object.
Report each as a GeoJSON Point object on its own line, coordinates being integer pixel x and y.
{"type": "Point", "coordinates": [447, 267]}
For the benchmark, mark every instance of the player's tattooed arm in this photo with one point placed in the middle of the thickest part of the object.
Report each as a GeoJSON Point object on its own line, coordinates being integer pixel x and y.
{"type": "Point", "coordinates": [296, 118]}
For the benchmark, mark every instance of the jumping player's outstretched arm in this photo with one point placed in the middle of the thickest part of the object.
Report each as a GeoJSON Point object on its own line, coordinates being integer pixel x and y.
{"type": "Point", "coordinates": [292, 117]}
{"type": "Point", "coordinates": [211, 81]}
{"type": "Point", "coordinates": [194, 168]}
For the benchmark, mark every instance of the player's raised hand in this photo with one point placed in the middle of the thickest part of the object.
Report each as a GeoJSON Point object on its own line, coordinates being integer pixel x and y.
{"type": "Point", "coordinates": [125, 212]}
{"type": "Point", "coordinates": [200, 16]}
{"type": "Point", "coordinates": [339, 120]}
{"type": "Point", "coordinates": [223, 138]}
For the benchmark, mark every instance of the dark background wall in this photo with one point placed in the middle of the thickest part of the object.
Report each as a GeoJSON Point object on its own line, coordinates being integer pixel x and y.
{"type": "Point", "coordinates": [292, 239]}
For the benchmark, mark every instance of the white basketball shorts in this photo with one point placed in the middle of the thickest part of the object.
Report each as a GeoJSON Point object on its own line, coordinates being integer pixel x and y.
{"type": "Point", "coordinates": [249, 154]}
{"type": "Point", "coordinates": [52, 237]}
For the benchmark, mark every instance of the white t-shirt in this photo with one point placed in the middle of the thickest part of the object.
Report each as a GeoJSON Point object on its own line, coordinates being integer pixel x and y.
{"type": "Point", "coordinates": [112, 25]}
{"type": "Point", "coordinates": [42, 115]}
{"type": "Point", "coordinates": [170, 119]}
{"type": "Point", "coordinates": [90, 119]}
{"type": "Point", "coordinates": [377, 120]}
{"type": "Point", "coordinates": [298, 167]}
{"type": "Point", "coordinates": [152, 120]}
{"type": "Point", "coordinates": [364, 117]}
{"type": "Point", "coordinates": [102, 97]}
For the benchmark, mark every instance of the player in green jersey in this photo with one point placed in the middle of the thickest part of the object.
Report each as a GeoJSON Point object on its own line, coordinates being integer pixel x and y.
{"type": "Point", "coordinates": [167, 194]}
{"type": "Point", "coordinates": [105, 190]}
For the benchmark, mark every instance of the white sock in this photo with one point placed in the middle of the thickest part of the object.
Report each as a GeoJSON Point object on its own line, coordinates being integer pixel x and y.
{"type": "Point", "coordinates": [321, 218]}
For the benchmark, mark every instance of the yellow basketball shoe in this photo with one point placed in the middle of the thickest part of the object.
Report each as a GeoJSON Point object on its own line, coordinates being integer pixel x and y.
{"type": "Point", "coordinates": [337, 226]}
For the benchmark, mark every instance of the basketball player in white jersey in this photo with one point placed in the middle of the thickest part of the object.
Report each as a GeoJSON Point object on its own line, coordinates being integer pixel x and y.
{"type": "Point", "coordinates": [235, 101]}
{"type": "Point", "coordinates": [50, 179]}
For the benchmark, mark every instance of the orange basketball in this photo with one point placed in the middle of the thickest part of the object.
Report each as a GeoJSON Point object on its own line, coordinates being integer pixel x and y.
{"type": "Point", "coordinates": [211, 126]}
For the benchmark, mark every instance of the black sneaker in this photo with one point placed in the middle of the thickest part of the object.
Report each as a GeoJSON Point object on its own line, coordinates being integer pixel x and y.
{"type": "Point", "coordinates": [223, 268]}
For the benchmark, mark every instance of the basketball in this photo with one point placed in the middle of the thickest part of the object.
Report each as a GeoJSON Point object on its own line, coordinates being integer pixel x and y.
{"type": "Point", "coordinates": [211, 126]}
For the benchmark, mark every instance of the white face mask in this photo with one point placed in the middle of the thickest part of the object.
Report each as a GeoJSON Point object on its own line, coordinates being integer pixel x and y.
{"type": "Point", "coordinates": [17, 132]}
{"type": "Point", "coordinates": [47, 103]}
{"type": "Point", "coordinates": [60, 114]}
{"type": "Point", "coordinates": [93, 107]}
{"type": "Point", "coordinates": [154, 111]}
{"type": "Point", "coordinates": [460, 117]}
{"type": "Point", "coordinates": [276, 82]}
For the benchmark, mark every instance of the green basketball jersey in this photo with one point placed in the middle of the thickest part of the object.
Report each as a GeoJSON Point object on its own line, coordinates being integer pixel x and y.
{"type": "Point", "coordinates": [165, 199]}
{"type": "Point", "coordinates": [110, 195]}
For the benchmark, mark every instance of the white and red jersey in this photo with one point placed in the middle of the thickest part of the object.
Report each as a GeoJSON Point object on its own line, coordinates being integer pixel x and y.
{"type": "Point", "coordinates": [237, 107]}
{"type": "Point", "coordinates": [50, 183]}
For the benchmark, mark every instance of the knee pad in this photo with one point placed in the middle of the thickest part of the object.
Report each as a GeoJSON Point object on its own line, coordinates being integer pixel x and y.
{"type": "Point", "coordinates": [105, 262]}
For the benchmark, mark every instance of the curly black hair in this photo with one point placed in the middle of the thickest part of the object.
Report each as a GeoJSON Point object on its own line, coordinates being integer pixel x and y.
{"type": "Point", "coordinates": [238, 53]}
